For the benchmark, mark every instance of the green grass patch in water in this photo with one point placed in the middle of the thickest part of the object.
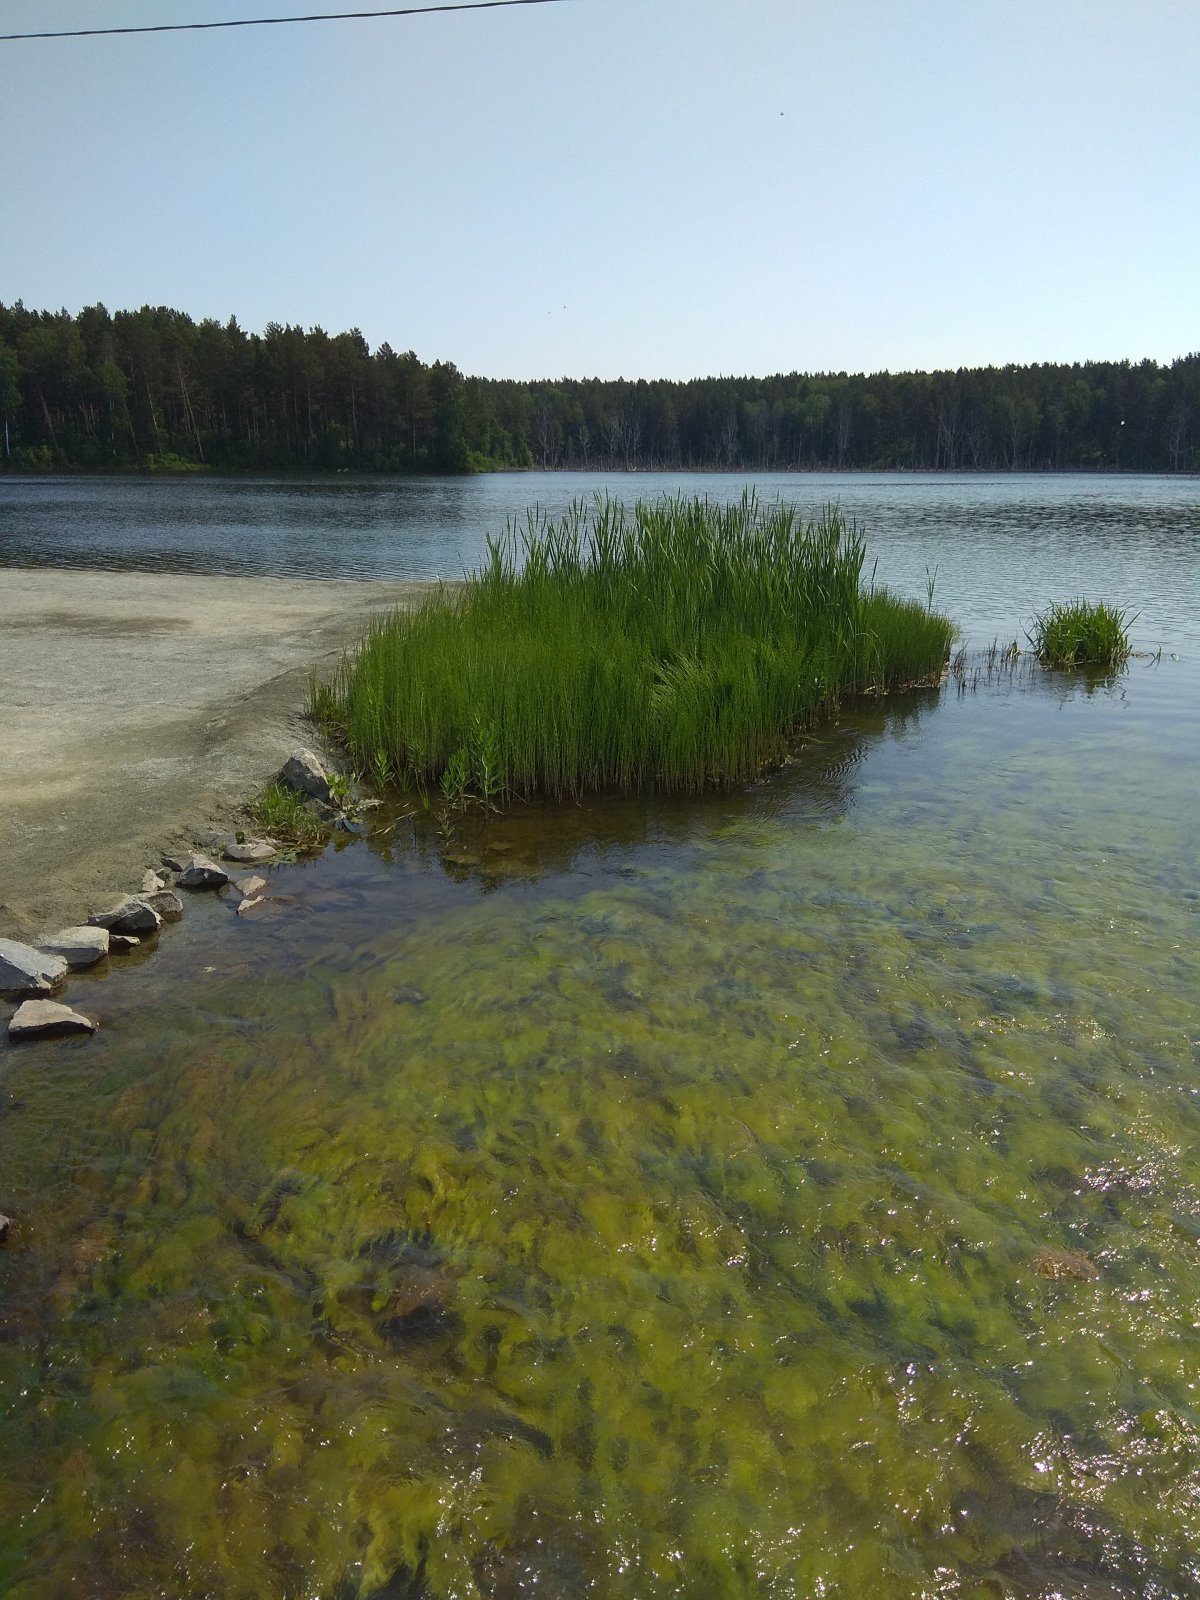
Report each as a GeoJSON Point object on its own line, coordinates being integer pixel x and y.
{"type": "Point", "coordinates": [289, 816]}
{"type": "Point", "coordinates": [678, 645]}
{"type": "Point", "coordinates": [1080, 633]}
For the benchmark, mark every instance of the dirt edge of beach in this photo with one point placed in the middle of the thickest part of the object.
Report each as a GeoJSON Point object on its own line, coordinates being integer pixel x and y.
{"type": "Point", "coordinates": [142, 710]}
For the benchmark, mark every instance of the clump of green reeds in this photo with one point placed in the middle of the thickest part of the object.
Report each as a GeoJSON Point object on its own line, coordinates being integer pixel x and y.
{"type": "Point", "coordinates": [673, 646]}
{"type": "Point", "coordinates": [1081, 633]}
{"type": "Point", "coordinates": [286, 815]}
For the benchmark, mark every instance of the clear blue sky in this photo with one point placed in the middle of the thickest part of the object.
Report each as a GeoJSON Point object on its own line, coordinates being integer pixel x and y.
{"type": "Point", "coordinates": [637, 187]}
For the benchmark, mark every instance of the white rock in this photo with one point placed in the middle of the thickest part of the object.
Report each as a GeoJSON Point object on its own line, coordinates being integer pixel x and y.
{"type": "Point", "coordinates": [304, 772]}
{"type": "Point", "coordinates": [249, 903]}
{"type": "Point", "coordinates": [167, 904]}
{"type": "Point", "coordinates": [24, 970]}
{"type": "Point", "coordinates": [79, 947]}
{"type": "Point", "coordinates": [132, 915]}
{"type": "Point", "coordinates": [252, 851]}
{"type": "Point", "coordinates": [152, 883]}
{"type": "Point", "coordinates": [247, 887]}
{"type": "Point", "coordinates": [39, 1019]}
{"type": "Point", "coordinates": [201, 873]}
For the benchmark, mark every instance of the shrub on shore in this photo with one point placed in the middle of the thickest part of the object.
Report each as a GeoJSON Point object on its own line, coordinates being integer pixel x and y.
{"type": "Point", "coordinates": [675, 646]}
{"type": "Point", "coordinates": [1081, 633]}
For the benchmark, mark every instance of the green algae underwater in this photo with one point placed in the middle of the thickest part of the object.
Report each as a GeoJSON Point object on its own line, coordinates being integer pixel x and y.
{"type": "Point", "coordinates": [791, 1192]}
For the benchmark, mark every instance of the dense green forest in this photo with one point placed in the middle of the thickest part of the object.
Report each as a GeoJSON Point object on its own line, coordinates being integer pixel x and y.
{"type": "Point", "coordinates": [155, 389]}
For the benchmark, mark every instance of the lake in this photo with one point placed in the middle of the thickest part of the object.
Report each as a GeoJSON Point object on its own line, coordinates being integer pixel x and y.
{"type": "Point", "coordinates": [793, 1191]}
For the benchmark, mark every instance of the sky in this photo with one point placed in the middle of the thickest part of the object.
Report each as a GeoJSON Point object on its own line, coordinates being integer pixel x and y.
{"type": "Point", "coordinates": [637, 188]}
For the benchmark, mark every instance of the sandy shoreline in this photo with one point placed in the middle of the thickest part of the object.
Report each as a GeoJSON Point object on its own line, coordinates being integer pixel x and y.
{"type": "Point", "coordinates": [139, 709]}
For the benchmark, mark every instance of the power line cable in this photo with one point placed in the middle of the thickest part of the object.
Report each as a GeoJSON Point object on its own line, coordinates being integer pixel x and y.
{"type": "Point", "coordinates": [268, 22]}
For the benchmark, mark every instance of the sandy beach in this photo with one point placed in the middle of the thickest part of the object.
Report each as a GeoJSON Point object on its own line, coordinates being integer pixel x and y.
{"type": "Point", "coordinates": [141, 709]}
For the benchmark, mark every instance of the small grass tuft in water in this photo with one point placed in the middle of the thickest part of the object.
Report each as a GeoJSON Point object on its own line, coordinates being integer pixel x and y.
{"type": "Point", "coordinates": [674, 646]}
{"type": "Point", "coordinates": [1081, 634]}
{"type": "Point", "coordinates": [287, 816]}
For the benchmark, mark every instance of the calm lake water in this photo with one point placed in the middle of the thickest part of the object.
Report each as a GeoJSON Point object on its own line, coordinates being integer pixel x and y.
{"type": "Point", "coordinates": [1000, 545]}
{"type": "Point", "coordinates": [793, 1192]}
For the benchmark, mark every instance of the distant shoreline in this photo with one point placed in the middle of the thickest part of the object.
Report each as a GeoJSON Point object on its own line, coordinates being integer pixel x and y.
{"type": "Point", "coordinates": [150, 474]}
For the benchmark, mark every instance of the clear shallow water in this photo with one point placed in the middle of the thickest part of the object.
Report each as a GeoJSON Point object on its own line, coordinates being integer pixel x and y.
{"type": "Point", "coordinates": [1000, 545]}
{"type": "Point", "coordinates": [794, 1192]}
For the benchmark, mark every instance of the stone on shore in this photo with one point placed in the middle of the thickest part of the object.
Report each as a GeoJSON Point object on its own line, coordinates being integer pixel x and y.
{"type": "Point", "coordinates": [200, 873]}
{"type": "Point", "coordinates": [132, 915]}
{"type": "Point", "coordinates": [252, 851]}
{"type": "Point", "coordinates": [121, 942]}
{"type": "Point", "coordinates": [26, 971]}
{"type": "Point", "coordinates": [5, 1224]}
{"type": "Point", "coordinates": [304, 772]}
{"type": "Point", "coordinates": [79, 947]}
{"type": "Point", "coordinates": [167, 904]}
{"type": "Point", "coordinates": [45, 1019]}
{"type": "Point", "coordinates": [152, 883]}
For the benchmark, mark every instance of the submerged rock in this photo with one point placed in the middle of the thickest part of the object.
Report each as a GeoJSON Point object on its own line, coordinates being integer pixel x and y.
{"type": "Point", "coordinates": [132, 915]}
{"type": "Point", "coordinates": [251, 851]}
{"type": "Point", "coordinates": [79, 947]}
{"type": "Point", "coordinates": [304, 772]}
{"type": "Point", "coordinates": [167, 904]}
{"type": "Point", "coordinates": [44, 1019]}
{"type": "Point", "coordinates": [24, 970]}
{"type": "Point", "coordinates": [198, 872]}
{"type": "Point", "coordinates": [1057, 1264]}
{"type": "Point", "coordinates": [252, 903]}
{"type": "Point", "coordinates": [406, 995]}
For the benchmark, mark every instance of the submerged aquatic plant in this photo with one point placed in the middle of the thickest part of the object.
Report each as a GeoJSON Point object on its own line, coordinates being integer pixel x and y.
{"type": "Point", "coordinates": [1081, 633]}
{"type": "Point", "coordinates": [670, 647]}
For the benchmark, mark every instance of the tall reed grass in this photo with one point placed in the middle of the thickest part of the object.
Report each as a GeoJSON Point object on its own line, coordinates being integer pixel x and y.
{"type": "Point", "coordinates": [1081, 633]}
{"type": "Point", "coordinates": [673, 646]}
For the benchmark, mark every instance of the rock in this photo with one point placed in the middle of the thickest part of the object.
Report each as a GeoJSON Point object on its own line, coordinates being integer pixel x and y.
{"type": "Point", "coordinates": [405, 995]}
{"type": "Point", "coordinates": [174, 862]}
{"type": "Point", "coordinates": [152, 883]}
{"type": "Point", "coordinates": [252, 851]}
{"type": "Point", "coordinates": [1056, 1264]}
{"type": "Point", "coordinates": [247, 887]}
{"type": "Point", "coordinates": [167, 904]}
{"type": "Point", "coordinates": [304, 772]}
{"type": "Point", "coordinates": [198, 872]}
{"type": "Point", "coordinates": [132, 915]}
{"type": "Point", "coordinates": [5, 1224]}
{"type": "Point", "coordinates": [25, 971]}
{"type": "Point", "coordinates": [118, 943]}
{"type": "Point", "coordinates": [43, 1019]}
{"type": "Point", "coordinates": [249, 902]}
{"type": "Point", "coordinates": [79, 947]}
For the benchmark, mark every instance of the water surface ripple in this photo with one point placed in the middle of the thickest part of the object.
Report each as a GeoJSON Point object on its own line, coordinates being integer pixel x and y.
{"type": "Point", "coordinates": [1000, 544]}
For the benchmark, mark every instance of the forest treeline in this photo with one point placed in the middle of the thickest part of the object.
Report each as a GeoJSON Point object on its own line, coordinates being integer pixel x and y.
{"type": "Point", "coordinates": [156, 389]}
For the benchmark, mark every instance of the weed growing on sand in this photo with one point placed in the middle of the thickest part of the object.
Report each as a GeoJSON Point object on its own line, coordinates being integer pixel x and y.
{"type": "Point", "coordinates": [288, 816]}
